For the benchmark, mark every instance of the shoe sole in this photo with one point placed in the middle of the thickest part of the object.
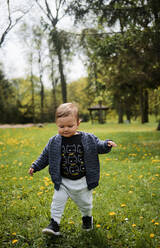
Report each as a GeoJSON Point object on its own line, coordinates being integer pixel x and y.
{"type": "Point", "coordinates": [87, 230]}
{"type": "Point", "coordinates": [50, 232]}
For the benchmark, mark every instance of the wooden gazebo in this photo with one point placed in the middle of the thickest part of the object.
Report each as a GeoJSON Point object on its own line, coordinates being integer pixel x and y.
{"type": "Point", "coordinates": [101, 112]}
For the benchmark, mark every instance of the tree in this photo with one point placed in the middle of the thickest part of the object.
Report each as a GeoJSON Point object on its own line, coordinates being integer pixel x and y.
{"type": "Point", "coordinates": [32, 86]}
{"type": "Point", "coordinates": [38, 38]}
{"type": "Point", "coordinates": [12, 18]}
{"type": "Point", "coordinates": [109, 70]}
{"type": "Point", "coordinates": [54, 80]}
{"type": "Point", "coordinates": [139, 32]}
{"type": "Point", "coordinates": [58, 43]}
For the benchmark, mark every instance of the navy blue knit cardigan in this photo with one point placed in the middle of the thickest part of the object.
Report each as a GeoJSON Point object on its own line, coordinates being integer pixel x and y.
{"type": "Point", "coordinates": [51, 155]}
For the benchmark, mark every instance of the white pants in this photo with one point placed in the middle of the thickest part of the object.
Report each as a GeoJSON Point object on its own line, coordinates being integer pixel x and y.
{"type": "Point", "coordinates": [75, 189]}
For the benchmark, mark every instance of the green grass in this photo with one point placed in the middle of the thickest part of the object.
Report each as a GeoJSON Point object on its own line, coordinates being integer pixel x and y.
{"type": "Point", "coordinates": [126, 203]}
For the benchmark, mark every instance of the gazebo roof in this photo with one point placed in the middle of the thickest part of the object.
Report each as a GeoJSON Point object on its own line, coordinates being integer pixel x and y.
{"type": "Point", "coordinates": [98, 107]}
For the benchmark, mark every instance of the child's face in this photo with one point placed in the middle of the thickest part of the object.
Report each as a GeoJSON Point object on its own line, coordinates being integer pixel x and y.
{"type": "Point", "coordinates": [67, 126]}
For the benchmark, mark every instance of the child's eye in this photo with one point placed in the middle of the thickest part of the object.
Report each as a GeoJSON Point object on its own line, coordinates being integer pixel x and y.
{"type": "Point", "coordinates": [70, 126]}
{"type": "Point", "coordinates": [61, 126]}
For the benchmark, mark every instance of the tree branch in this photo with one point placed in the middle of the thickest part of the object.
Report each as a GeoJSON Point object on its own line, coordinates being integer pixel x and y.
{"type": "Point", "coordinates": [11, 25]}
{"type": "Point", "coordinates": [50, 16]}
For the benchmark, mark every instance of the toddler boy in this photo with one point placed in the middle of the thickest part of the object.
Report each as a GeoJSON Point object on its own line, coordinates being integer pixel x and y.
{"type": "Point", "coordinates": [73, 162]}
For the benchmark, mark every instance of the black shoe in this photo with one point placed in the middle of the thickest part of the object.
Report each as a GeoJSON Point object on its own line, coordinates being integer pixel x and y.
{"type": "Point", "coordinates": [87, 223]}
{"type": "Point", "coordinates": [52, 228]}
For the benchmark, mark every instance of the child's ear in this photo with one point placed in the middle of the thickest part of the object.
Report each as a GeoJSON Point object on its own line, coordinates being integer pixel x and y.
{"type": "Point", "coordinates": [78, 122]}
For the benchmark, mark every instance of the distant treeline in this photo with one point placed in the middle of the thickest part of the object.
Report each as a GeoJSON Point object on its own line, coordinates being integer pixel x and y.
{"type": "Point", "coordinates": [19, 103]}
{"type": "Point", "coordinates": [123, 66]}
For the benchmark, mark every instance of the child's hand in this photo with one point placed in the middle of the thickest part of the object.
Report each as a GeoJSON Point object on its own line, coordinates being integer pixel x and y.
{"type": "Point", "coordinates": [31, 171]}
{"type": "Point", "coordinates": [111, 143]}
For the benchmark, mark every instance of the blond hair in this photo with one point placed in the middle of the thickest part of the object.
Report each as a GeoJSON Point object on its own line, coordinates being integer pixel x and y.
{"type": "Point", "coordinates": [67, 109]}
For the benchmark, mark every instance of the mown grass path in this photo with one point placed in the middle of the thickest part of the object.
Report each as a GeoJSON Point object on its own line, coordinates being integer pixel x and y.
{"type": "Point", "coordinates": [126, 203]}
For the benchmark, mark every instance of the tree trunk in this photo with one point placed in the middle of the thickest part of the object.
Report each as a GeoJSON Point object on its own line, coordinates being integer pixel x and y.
{"type": "Point", "coordinates": [32, 87]}
{"type": "Point", "coordinates": [33, 105]}
{"type": "Point", "coordinates": [120, 113]}
{"type": "Point", "coordinates": [144, 105]}
{"type": "Point", "coordinates": [54, 84]}
{"type": "Point", "coordinates": [58, 48]}
{"type": "Point", "coordinates": [128, 114]}
{"type": "Point", "coordinates": [42, 88]}
{"type": "Point", "coordinates": [63, 81]}
{"type": "Point", "coordinates": [42, 100]}
{"type": "Point", "coordinates": [158, 128]}
{"type": "Point", "coordinates": [128, 110]}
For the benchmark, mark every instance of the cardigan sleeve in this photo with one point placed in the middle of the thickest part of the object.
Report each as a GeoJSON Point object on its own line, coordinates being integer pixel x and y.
{"type": "Point", "coordinates": [102, 146]}
{"type": "Point", "coordinates": [43, 159]}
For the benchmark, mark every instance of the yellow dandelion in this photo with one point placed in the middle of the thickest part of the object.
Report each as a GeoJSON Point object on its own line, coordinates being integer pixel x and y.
{"type": "Point", "coordinates": [112, 213]}
{"type": "Point", "coordinates": [123, 205]}
{"type": "Point", "coordinates": [14, 241]}
{"type": "Point", "coordinates": [156, 223]}
{"type": "Point", "coordinates": [42, 188]}
{"type": "Point", "coordinates": [40, 193]}
{"type": "Point", "coordinates": [107, 174]}
{"type": "Point", "coordinates": [140, 176]}
{"type": "Point", "coordinates": [133, 225]}
{"type": "Point", "coordinates": [152, 235]}
{"type": "Point", "coordinates": [21, 178]}
{"type": "Point", "coordinates": [14, 233]}
{"type": "Point", "coordinates": [46, 178]}
{"type": "Point", "coordinates": [98, 225]}
{"type": "Point", "coordinates": [130, 192]}
{"type": "Point", "coordinates": [152, 221]}
{"type": "Point", "coordinates": [46, 184]}
{"type": "Point", "coordinates": [71, 222]}
{"type": "Point", "coordinates": [155, 161]}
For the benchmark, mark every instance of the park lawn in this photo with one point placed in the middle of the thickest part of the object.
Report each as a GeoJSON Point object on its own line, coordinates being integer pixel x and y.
{"type": "Point", "coordinates": [126, 203]}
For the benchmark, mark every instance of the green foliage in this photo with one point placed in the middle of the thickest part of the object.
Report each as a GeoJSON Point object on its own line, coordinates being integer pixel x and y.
{"type": "Point", "coordinates": [7, 100]}
{"type": "Point", "coordinates": [126, 62]}
{"type": "Point", "coordinates": [126, 203]}
{"type": "Point", "coordinates": [122, 65]}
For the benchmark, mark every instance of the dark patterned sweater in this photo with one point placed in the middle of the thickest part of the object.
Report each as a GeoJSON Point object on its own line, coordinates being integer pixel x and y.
{"type": "Point", "coordinates": [51, 155]}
